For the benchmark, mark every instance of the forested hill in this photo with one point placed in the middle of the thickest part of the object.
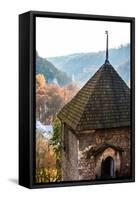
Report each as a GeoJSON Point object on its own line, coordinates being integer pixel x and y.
{"type": "Point", "coordinates": [83, 65]}
{"type": "Point", "coordinates": [50, 72]}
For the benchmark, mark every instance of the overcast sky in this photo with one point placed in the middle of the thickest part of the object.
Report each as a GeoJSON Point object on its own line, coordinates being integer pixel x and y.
{"type": "Point", "coordinates": [56, 37]}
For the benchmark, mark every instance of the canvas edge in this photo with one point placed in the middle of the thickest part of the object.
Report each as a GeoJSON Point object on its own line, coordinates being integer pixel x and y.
{"type": "Point", "coordinates": [31, 62]}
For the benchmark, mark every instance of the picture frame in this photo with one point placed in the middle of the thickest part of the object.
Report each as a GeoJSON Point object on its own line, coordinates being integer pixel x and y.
{"type": "Point", "coordinates": [27, 102]}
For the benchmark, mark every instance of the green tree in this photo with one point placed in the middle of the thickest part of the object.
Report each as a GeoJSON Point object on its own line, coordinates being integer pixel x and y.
{"type": "Point", "coordinates": [56, 142]}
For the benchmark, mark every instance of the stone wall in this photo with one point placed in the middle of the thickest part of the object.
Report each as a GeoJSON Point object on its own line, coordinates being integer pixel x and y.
{"type": "Point", "coordinates": [70, 157]}
{"type": "Point", "coordinates": [88, 167]}
{"type": "Point", "coordinates": [76, 165]}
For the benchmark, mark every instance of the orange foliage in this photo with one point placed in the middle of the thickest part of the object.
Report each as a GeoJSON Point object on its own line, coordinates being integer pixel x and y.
{"type": "Point", "coordinates": [50, 98]}
{"type": "Point", "coordinates": [45, 156]}
{"type": "Point", "coordinates": [46, 170]}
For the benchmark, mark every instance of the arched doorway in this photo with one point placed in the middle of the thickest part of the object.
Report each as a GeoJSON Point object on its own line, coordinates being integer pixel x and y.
{"type": "Point", "coordinates": [107, 168]}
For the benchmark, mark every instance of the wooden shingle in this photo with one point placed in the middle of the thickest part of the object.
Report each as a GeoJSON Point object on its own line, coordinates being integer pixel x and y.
{"type": "Point", "coordinates": [103, 102]}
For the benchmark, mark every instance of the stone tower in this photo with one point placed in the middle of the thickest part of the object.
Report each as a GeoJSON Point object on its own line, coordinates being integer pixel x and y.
{"type": "Point", "coordinates": [96, 128]}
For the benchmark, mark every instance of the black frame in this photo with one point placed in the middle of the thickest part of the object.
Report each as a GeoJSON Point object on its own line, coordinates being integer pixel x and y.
{"type": "Point", "coordinates": [27, 44]}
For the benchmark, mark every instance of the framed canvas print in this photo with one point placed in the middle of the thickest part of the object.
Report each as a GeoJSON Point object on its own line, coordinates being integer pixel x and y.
{"type": "Point", "coordinates": [76, 99]}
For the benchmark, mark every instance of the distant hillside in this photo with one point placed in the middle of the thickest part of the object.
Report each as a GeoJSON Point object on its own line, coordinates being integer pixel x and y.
{"type": "Point", "coordinates": [124, 71]}
{"type": "Point", "coordinates": [50, 72]}
{"type": "Point", "coordinates": [82, 66]}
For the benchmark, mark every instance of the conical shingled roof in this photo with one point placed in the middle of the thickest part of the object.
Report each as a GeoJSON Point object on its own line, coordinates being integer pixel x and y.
{"type": "Point", "coordinates": [103, 102]}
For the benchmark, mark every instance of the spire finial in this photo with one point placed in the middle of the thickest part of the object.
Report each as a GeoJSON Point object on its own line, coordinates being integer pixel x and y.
{"type": "Point", "coordinates": [106, 60]}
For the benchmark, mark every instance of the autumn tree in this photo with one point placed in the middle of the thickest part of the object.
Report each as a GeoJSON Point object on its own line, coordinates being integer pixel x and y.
{"type": "Point", "coordinates": [70, 91]}
{"type": "Point", "coordinates": [46, 170]}
{"type": "Point", "coordinates": [49, 99]}
{"type": "Point", "coordinates": [40, 81]}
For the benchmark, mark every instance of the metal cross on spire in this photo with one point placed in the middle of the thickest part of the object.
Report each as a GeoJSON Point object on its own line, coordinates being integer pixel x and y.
{"type": "Point", "coordinates": [106, 60]}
